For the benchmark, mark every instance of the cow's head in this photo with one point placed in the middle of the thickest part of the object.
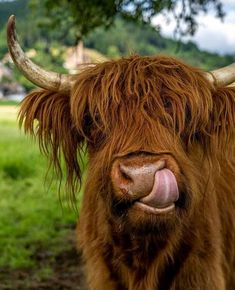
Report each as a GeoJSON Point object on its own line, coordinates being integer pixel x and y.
{"type": "Point", "coordinates": [155, 130]}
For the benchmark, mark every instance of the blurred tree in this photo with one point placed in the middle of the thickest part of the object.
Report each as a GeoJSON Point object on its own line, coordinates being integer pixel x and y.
{"type": "Point", "coordinates": [83, 16]}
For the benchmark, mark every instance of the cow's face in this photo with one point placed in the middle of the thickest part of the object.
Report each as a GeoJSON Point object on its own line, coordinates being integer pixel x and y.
{"type": "Point", "coordinates": [145, 125]}
{"type": "Point", "coordinates": [154, 129]}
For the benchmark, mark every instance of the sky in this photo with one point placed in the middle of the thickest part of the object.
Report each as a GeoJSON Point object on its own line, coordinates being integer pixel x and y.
{"type": "Point", "coordinates": [212, 35]}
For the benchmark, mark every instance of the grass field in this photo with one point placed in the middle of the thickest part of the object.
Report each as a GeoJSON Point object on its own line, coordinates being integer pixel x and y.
{"type": "Point", "coordinates": [33, 221]}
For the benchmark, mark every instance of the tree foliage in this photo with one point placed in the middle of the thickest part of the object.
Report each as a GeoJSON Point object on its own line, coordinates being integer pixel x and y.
{"type": "Point", "coordinates": [85, 15]}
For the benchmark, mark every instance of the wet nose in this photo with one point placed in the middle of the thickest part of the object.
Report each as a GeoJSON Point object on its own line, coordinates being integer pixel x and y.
{"type": "Point", "coordinates": [135, 180]}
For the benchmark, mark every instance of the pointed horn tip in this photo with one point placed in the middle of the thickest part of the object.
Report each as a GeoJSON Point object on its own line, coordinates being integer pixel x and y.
{"type": "Point", "coordinates": [11, 21]}
{"type": "Point", "coordinates": [11, 26]}
{"type": "Point", "coordinates": [12, 17]}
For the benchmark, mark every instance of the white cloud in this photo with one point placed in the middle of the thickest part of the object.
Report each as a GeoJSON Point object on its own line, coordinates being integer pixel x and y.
{"type": "Point", "coordinates": [213, 34]}
{"type": "Point", "coordinates": [228, 3]}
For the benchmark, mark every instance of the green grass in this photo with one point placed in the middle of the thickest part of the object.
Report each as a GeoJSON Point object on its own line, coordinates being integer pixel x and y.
{"type": "Point", "coordinates": [8, 103]}
{"type": "Point", "coordinates": [31, 214]}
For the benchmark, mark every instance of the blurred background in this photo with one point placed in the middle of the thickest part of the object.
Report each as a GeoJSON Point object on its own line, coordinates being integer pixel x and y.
{"type": "Point", "coordinates": [37, 225]}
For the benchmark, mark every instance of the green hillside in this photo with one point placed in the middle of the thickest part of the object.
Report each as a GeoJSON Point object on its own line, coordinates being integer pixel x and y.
{"type": "Point", "coordinates": [19, 8]}
{"type": "Point", "coordinates": [126, 38]}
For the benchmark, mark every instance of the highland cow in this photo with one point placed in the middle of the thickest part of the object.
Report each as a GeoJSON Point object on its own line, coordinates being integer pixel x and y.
{"type": "Point", "coordinates": [159, 203]}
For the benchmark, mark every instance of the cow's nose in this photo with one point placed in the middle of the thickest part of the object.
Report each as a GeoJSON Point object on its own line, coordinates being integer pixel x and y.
{"type": "Point", "coordinates": [135, 181]}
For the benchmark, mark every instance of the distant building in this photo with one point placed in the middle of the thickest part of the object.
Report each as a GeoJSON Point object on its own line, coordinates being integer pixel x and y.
{"type": "Point", "coordinates": [77, 57]}
{"type": "Point", "coordinates": [9, 88]}
{"type": "Point", "coordinates": [4, 72]}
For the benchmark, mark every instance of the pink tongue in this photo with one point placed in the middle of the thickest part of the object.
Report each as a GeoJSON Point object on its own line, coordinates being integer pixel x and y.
{"type": "Point", "coordinates": [165, 190]}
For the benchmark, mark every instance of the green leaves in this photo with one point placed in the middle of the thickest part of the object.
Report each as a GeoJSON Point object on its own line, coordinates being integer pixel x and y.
{"type": "Point", "coordinates": [86, 15]}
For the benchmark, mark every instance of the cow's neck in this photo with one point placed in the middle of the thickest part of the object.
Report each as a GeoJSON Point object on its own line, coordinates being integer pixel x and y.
{"type": "Point", "coordinates": [146, 261]}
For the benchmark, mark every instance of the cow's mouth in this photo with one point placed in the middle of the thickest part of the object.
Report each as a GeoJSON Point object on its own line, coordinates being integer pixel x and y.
{"type": "Point", "coordinates": [163, 196]}
{"type": "Point", "coordinates": [154, 210]}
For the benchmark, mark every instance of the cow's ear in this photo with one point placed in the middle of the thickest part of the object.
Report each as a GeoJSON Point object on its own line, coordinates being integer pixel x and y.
{"type": "Point", "coordinates": [221, 127]}
{"type": "Point", "coordinates": [46, 116]}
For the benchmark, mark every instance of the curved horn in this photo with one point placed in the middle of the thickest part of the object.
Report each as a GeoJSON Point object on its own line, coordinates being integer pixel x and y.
{"type": "Point", "coordinates": [223, 76]}
{"type": "Point", "coordinates": [40, 77]}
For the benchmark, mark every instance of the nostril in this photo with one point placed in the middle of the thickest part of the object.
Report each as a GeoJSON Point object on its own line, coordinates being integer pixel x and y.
{"type": "Point", "coordinates": [125, 172]}
{"type": "Point", "coordinates": [134, 179]}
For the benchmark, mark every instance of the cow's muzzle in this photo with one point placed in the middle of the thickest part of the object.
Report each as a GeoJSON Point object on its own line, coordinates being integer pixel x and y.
{"type": "Point", "coordinates": [147, 180]}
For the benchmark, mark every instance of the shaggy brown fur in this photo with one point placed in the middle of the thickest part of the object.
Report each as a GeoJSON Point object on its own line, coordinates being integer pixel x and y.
{"type": "Point", "coordinates": [147, 107]}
